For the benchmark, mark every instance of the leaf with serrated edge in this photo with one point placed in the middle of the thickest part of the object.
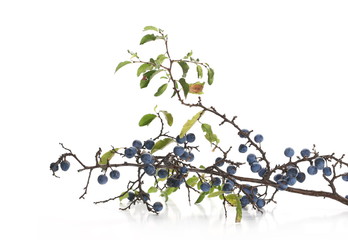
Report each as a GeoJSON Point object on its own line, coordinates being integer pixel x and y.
{"type": "Point", "coordinates": [210, 136]}
{"type": "Point", "coordinates": [159, 145]}
{"type": "Point", "coordinates": [169, 117]}
{"type": "Point", "coordinates": [146, 119]}
{"type": "Point", "coordinates": [147, 28]}
{"type": "Point", "coordinates": [122, 64]}
{"type": "Point", "coordinates": [147, 38]}
{"type": "Point", "coordinates": [185, 67]}
{"type": "Point", "coordinates": [215, 194]}
{"type": "Point", "coordinates": [152, 190]}
{"type": "Point", "coordinates": [187, 126]}
{"type": "Point", "coordinates": [210, 76]}
{"type": "Point", "coordinates": [161, 90]}
{"type": "Point", "coordinates": [199, 71]}
{"type": "Point", "coordinates": [233, 199]}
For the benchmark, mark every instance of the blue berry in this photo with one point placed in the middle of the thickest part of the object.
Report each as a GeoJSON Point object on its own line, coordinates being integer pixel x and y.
{"type": "Point", "coordinates": [277, 177]}
{"type": "Point", "coordinates": [102, 179]}
{"type": "Point", "coordinates": [262, 172]}
{"type": "Point", "coordinates": [183, 170]}
{"type": "Point", "coordinates": [157, 206]}
{"type": "Point", "coordinates": [146, 158]}
{"type": "Point", "coordinates": [190, 157]}
{"type": "Point", "coordinates": [246, 189]}
{"type": "Point", "coordinates": [137, 144]}
{"type": "Point", "coordinates": [219, 162]}
{"type": "Point", "coordinates": [289, 152]}
{"type": "Point", "coordinates": [291, 181]}
{"type": "Point", "coordinates": [115, 174]}
{"type": "Point", "coordinates": [258, 138]}
{"type": "Point", "coordinates": [180, 140]}
{"type": "Point", "coordinates": [243, 148]}
{"type": "Point", "coordinates": [162, 173]}
{"type": "Point", "coordinates": [227, 187]}
{"type": "Point", "coordinates": [347, 196]}
{"type": "Point", "coordinates": [185, 155]}
{"type": "Point", "coordinates": [260, 203]}
{"type": "Point", "coordinates": [150, 169]}
{"type": "Point", "coordinates": [255, 167]}
{"type": "Point", "coordinates": [131, 196]}
{"type": "Point", "coordinates": [178, 150]}
{"type": "Point", "coordinates": [292, 172]}
{"type": "Point", "coordinates": [231, 170]}
{"type": "Point", "coordinates": [173, 182]}
{"type": "Point", "coordinates": [65, 165]}
{"type": "Point", "coordinates": [305, 152]}
{"type": "Point", "coordinates": [216, 181]}
{"type": "Point", "coordinates": [244, 201]}
{"type": "Point", "coordinates": [190, 137]}
{"type": "Point", "coordinates": [205, 187]}
{"type": "Point", "coordinates": [251, 158]}
{"type": "Point", "coordinates": [149, 144]}
{"type": "Point", "coordinates": [230, 182]}
{"type": "Point", "coordinates": [130, 152]}
{"type": "Point", "coordinates": [319, 163]}
{"type": "Point", "coordinates": [301, 177]}
{"type": "Point", "coordinates": [282, 185]}
{"type": "Point", "coordinates": [312, 170]}
{"type": "Point", "coordinates": [243, 133]}
{"type": "Point", "coordinates": [345, 177]}
{"type": "Point", "coordinates": [145, 197]}
{"type": "Point", "coordinates": [54, 167]}
{"type": "Point", "coordinates": [327, 171]}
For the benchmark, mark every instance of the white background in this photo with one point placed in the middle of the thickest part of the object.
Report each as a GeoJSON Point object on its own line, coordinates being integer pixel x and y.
{"type": "Point", "coordinates": [281, 66]}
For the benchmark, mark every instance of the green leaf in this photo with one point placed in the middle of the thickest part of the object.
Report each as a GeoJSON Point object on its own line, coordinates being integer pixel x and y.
{"type": "Point", "coordinates": [123, 196]}
{"type": "Point", "coordinates": [188, 55]}
{"type": "Point", "coordinates": [107, 156]}
{"type": "Point", "coordinates": [168, 116]}
{"type": "Point", "coordinates": [147, 28]}
{"type": "Point", "coordinates": [184, 86]}
{"type": "Point", "coordinates": [144, 82]}
{"type": "Point", "coordinates": [161, 90]}
{"type": "Point", "coordinates": [210, 136]}
{"type": "Point", "coordinates": [167, 192]}
{"type": "Point", "coordinates": [185, 67]}
{"type": "Point", "coordinates": [160, 59]}
{"type": "Point", "coordinates": [187, 126]}
{"type": "Point", "coordinates": [233, 199]}
{"type": "Point", "coordinates": [199, 185]}
{"type": "Point", "coordinates": [201, 197]}
{"type": "Point", "coordinates": [199, 71]}
{"type": "Point", "coordinates": [147, 38]}
{"type": "Point", "coordinates": [201, 167]}
{"type": "Point", "coordinates": [152, 190]}
{"type": "Point", "coordinates": [210, 76]}
{"type": "Point", "coordinates": [146, 119]}
{"type": "Point", "coordinates": [215, 194]}
{"type": "Point", "coordinates": [143, 68]}
{"type": "Point", "coordinates": [192, 181]}
{"type": "Point", "coordinates": [159, 145]}
{"type": "Point", "coordinates": [196, 88]}
{"type": "Point", "coordinates": [122, 64]}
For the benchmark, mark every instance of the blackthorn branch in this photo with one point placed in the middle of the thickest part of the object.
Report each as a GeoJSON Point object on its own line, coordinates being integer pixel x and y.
{"type": "Point", "coordinates": [175, 170]}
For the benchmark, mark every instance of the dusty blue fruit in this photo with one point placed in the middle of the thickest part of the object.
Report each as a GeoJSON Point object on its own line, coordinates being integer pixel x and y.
{"type": "Point", "coordinates": [255, 167]}
{"type": "Point", "coordinates": [262, 172]}
{"type": "Point", "coordinates": [183, 170]}
{"type": "Point", "coordinates": [190, 137]}
{"type": "Point", "coordinates": [260, 203]}
{"type": "Point", "coordinates": [115, 174]}
{"type": "Point", "coordinates": [149, 144]}
{"type": "Point", "coordinates": [327, 171]}
{"type": "Point", "coordinates": [130, 152]}
{"type": "Point", "coordinates": [301, 177]}
{"type": "Point", "coordinates": [54, 167]}
{"type": "Point", "coordinates": [242, 148]}
{"type": "Point", "coordinates": [291, 172]}
{"type": "Point", "coordinates": [251, 158]}
{"type": "Point", "coordinates": [178, 150]}
{"type": "Point", "coordinates": [185, 155]}
{"type": "Point", "coordinates": [137, 144]}
{"type": "Point", "coordinates": [146, 158]}
{"type": "Point", "coordinates": [131, 196]}
{"type": "Point", "coordinates": [162, 173]}
{"type": "Point", "coordinates": [345, 177]}
{"type": "Point", "coordinates": [244, 201]}
{"type": "Point", "coordinates": [231, 170]}
{"type": "Point", "coordinates": [157, 206]}
{"type": "Point", "coordinates": [216, 181]}
{"type": "Point", "coordinates": [312, 170]}
{"type": "Point", "coordinates": [243, 133]}
{"type": "Point", "coordinates": [65, 165]}
{"type": "Point", "coordinates": [150, 169]}
{"type": "Point", "coordinates": [227, 187]}
{"type": "Point", "coordinates": [305, 152]}
{"type": "Point", "coordinates": [289, 152]}
{"type": "Point", "coordinates": [102, 179]}
{"type": "Point", "coordinates": [190, 157]}
{"type": "Point", "coordinates": [319, 163]}
{"type": "Point", "coordinates": [205, 187]}
{"type": "Point", "coordinates": [180, 140]}
{"type": "Point", "coordinates": [219, 162]}
{"type": "Point", "coordinates": [258, 138]}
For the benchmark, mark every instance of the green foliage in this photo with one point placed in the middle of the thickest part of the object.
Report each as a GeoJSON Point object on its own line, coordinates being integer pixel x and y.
{"type": "Point", "coordinates": [188, 55]}
{"type": "Point", "coordinates": [122, 64]}
{"type": "Point", "coordinates": [160, 59]}
{"type": "Point", "coordinates": [192, 181]}
{"type": "Point", "coordinates": [215, 194]}
{"type": "Point", "coordinates": [146, 119]}
{"type": "Point", "coordinates": [152, 189]}
{"type": "Point", "coordinates": [147, 38]}
{"type": "Point", "coordinates": [168, 116]}
{"type": "Point", "coordinates": [147, 28]}
{"type": "Point", "coordinates": [167, 192]}
{"type": "Point", "coordinates": [144, 82]}
{"type": "Point", "coordinates": [210, 136]}
{"type": "Point", "coordinates": [185, 86]}
{"type": "Point", "coordinates": [199, 71]}
{"type": "Point", "coordinates": [233, 199]}
{"type": "Point", "coordinates": [185, 67]}
{"type": "Point", "coordinates": [105, 158]}
{"type": "Point", "coordinates": [201, 197]}
{"type": "Point", "coordinates": [187, 126]}
{"type": "Point", "coordinates": [210, 76]}
{"type": "Point", "coordinates": [161, 90]}
{"type": "Point", "coordinates": [143, 68]}
{"type": "Point", "coordinates": [159, 145]}
{"type": "Point", "coordinates": [124, 195]}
